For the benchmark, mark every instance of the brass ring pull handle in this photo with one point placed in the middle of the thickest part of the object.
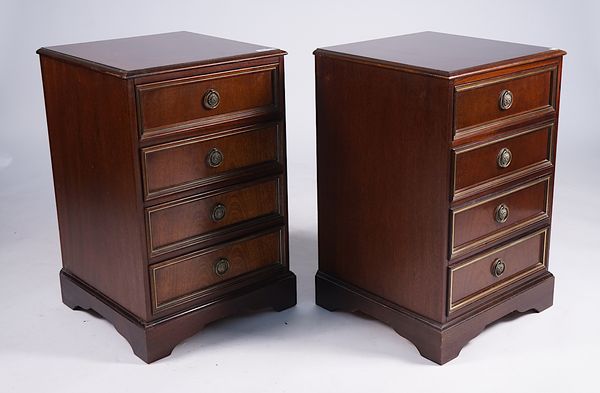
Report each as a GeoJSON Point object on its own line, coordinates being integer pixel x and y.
{"type": "Point", "coordinates": [218, 212]}
{"type": "Point", "coordinates": [498, 267]}
{"type": "Point", "coordinates": [211, 99]}
{"type": "Point", "coordinates": [504, 157]}
{"type": "Point", "coordinates": [501, 213]}
{"type": "Point", "coordinates": [506, 99]}
{"type": "Point", "coordinates": [221, 266]}
{"type": "Point", "coordinates": [214, 158]}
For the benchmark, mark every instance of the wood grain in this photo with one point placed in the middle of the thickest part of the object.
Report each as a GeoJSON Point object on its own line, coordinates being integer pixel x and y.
{"type": "Point", "coordinates": [473, 278]}
{"type": "Point", "coordinates": [180, 223]}
{"type": "Point", "coordinates": [97, 180]}
{"type": "Point", "coordinates": [157, 53]}
{"type": "Point", "coordinates": [478, 102]}
{"type": "Point", "coordinates": [108, 175]}
{"type": "Point", "coordinates": [475, 223]}
{"type": "Point", "coordinates": [175, 281]}
{"type": "Point", "coordinates": [168, 104]}
{"type": "Point", "coordinates": [409, 130]}
{"type": "Point", "coordinates": [477, 164]}
{"type": "Point", "coordinates": [183, 164]}
{"type": "Point", "coordinates": [382, 202]}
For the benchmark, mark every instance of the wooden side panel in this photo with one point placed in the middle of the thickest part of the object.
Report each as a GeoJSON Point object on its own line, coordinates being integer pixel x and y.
{"type": "Point", "coordinates": [383, 186]}
{"type": "Point", "coordinates": [97, 180]}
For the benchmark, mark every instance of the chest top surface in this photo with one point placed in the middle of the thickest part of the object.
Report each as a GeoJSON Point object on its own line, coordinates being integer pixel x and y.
{"type": "Point", "coordinates": [127, 57]}
{"type": "Point", "coordinates": [439, 53]}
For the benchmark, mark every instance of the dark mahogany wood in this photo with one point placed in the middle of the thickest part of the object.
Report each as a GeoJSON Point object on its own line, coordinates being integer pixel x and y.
{"type": "Point", "coordinates": [183, 279]}
{"type": "Point", "coordinates": [96, 180]}
{"type": "Point", "coordinates": [178, 223]}
{"type": "Point", "coordinates": [476, 223]}
{"type": "Point", "coordinates": [472, 279]}
{"type": "Point", "coordinates": [155, 340]}
{"type": "Point", "coordinates": [439, 54]}
{"type": "Point", "coordinates": [477, 103]}
{"type": "Point", "coordinates": [243, 93]}
{"type": "Point", "coordinates": [408, 134]}
{"type": "Point", "coordinates": [151, 54]}
{"type": "Point", "coordinates": [183, 164]}
{"type": "Point", "coordinates": [138, 234]}
{"type": "Point", "coordinates": [438, 342]}
{"type": "Point", "coordinates": [477, 165]}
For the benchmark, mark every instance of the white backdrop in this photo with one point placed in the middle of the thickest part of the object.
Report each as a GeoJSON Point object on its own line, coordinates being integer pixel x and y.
{"type": "Point", "coordinates": [45, 345]}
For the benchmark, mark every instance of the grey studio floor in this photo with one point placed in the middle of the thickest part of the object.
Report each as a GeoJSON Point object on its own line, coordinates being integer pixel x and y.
{"type": "Point", "coordinates": [44, 346]}
{"type": "Point", "coordinates": [305, 348]}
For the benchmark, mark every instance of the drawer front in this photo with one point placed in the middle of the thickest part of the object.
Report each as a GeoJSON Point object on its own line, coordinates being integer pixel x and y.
{"type": "Point", "coordinates": [485, 274]}
{"type": "Point", "coordinates": [495, 99]}
{"type": "Point", "coordinates": [493, 218]}
{"type": "Point", "coordinates": [186, 222]}
{"type": "Point", "coordinates": [206, 99]}
{"type": "Point", "coordinates": [185, 279]}
{"type": "Point", "coordinates": [181, 165]}
{"type": "Point", "coordinates": [502, 160]}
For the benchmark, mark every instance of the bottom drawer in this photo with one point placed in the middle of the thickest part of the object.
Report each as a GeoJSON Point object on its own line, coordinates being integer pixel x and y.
{"type": "Point", "coordinates": [184, 279]}
{"type": "Point", "coordinates": [484, 274]}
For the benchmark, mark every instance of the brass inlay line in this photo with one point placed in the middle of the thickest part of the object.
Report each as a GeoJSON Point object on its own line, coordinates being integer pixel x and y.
{"type": "Point", "coordinates": [552, 69]}
{"type": "Point", "coordinates": [458, 151]}
{"type": "Point", "coordinates": [206, 77]}
{"type": "Point", "coordinates": [511, 228]}
{"type": "Point", "coordinates": [185, 298]}
{"type": "Point", "coordinates": [154, 251]}
{"type": "Point", "coordinates": [190, 141]}
{"type": "Point", "coordinates": [504, 78]}
{"type": "Point", "coordinates": [495, 287]}
{"type": "Point", "coordinates": [140, 89]}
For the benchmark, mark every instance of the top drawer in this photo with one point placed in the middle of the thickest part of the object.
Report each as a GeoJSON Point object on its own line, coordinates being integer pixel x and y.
{"type": "Point", "coordinates": [206, 99]}
{"type": "Point", "coordinates": [492, 100]}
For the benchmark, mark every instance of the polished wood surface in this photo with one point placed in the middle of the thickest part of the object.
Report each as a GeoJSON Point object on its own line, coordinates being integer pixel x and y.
{"type": "Point", "coordinates": [409, 182]}
{"type": "Point", "coordinates": [155, 340]}
{"type": "Point", "coordinates": [439, 54]}
{"type": "Point", "coordinates": [163, 105]}
{"type": "Point", "coordinates": [476, 165]}
{"type": "Point", "coordinates": [96, 181]}
{"type": "Point", "coordinates": [182, 222]}
{"type": "Point", "coordinates": [477, 223]}
{"type": "Point", "coordinates": [176, 281]}
{"type": "Point", "coordinates": [135, 56]}
{"type": "Point", "coordinates": [479, 102]}
{"type": "Point", "coordinates": [183, 164]}
{"type": "Point", "coordinates": [473, 278]}
{"type": "Point", "coordinates": [133, 200]}
{"type": "Point", "coordinates": [438, 342]}
{"type": "Point", "coordinates": [363, 198]}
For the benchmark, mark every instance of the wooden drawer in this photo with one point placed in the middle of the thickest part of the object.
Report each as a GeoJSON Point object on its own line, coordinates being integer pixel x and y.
{"type": "Point", "coordinates": [485, 274]}
{"type": "Point", "coordinates": [482, 222]}
{"type": "Point", "coordinates": [501, 160]}
{"type": "Point", "coordinates": [479, 102]}
{"type": "Point", "coordinates": [185, 222]}
{"type": "Point", "coordinates": [185, 279]}
{"type": "Point", "coordinates": [181, 165]}
{"type": "Point", "coordinates": [206, 99]}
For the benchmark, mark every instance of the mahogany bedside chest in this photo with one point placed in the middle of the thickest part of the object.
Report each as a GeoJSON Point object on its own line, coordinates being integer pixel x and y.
{"type": "Point", "coordinates": [436, 161]}
{"type": "Point", "coordinates": [169, 161]}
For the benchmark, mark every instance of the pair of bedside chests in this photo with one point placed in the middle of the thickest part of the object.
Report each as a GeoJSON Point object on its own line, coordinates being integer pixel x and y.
{"type": "Point", "coordinates": [435, 157]}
